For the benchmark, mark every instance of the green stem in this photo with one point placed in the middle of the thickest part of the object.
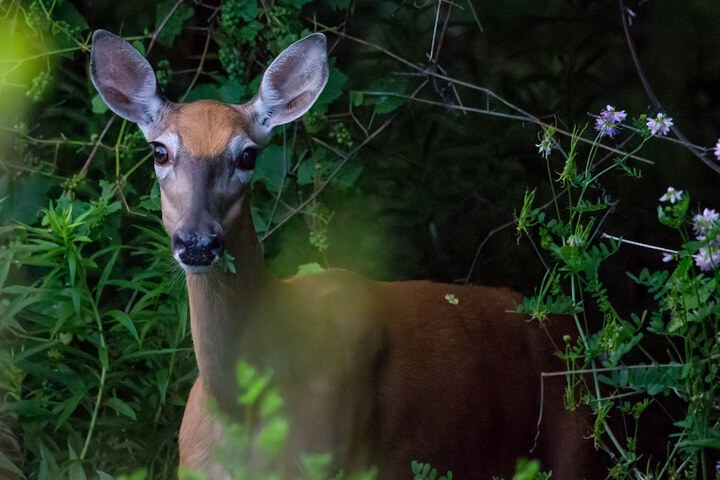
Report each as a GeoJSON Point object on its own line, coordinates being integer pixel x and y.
{"type": "Point", "coordinates": [101, 387]}
{"type": "Point", "coordinates": [593, 368]}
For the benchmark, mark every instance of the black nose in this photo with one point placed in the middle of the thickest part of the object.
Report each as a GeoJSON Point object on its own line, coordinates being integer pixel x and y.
{"type": "Point", "coordinates": [197, 249]}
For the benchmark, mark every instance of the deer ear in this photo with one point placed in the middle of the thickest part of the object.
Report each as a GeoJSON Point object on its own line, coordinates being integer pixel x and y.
{"type": "Point", "coordinates": [124, 79]}
{"type": "Point", "coordinates": [292, 83]}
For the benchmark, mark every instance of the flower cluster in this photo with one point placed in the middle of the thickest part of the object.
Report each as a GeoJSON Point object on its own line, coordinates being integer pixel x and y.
{"type": "Point", "coordinates": [609, 121]}
{"type": "Point", "coordinates": [705, 226]}
{"type": "Point", "coordinates": [671, 195]}
{"type": "Point", "coordinates": [708, 258]}
{"type": "Point", "coordinates": [704, 223]}
{"type": "Point", "coordinates": [660, 125]}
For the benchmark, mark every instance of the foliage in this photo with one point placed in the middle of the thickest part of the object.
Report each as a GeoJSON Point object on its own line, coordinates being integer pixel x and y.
{"type": "Point", "coordinates": [96, 360]}
{"type": "Point", "coordinates": [423, 471]}
{"type": "Point", "coordinates": [627, 375]}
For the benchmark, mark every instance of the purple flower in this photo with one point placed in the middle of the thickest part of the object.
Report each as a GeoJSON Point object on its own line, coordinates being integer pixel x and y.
{"type": "Point", "coordinates": [660, 125]}
{"type": "Point", "coordinates": [668, 257]}
{"type": "Point", "coordinates": [605, 127]}
{"type": "Point", "coordinates": [612, 115]}
{"type": "Point", "coordinates": [707, 258]}
{"type": "Point", "coordinates": [705, 222]}
{"type": "Point", "coordinates": [671, 195]}
{"type": "Point", "coordinates": [609, 120]}
{"type": "Point", "coordinates": [717, 156]}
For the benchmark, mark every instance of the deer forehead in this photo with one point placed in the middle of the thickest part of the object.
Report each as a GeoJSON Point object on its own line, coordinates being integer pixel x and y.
{"type": "Point", "coordinates": [205, 128]}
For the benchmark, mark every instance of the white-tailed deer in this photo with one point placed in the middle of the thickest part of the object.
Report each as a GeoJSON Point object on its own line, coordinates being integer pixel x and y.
{"type": "Point", "coordinates": [378, 373]}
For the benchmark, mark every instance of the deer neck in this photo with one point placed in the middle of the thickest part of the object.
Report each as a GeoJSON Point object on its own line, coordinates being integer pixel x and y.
{"type": "Point", "coordinates": [220, 306]}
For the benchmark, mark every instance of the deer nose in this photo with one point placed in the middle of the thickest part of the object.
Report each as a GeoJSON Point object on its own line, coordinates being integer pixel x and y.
{"type": "Point", "coordinates": [196, 249]}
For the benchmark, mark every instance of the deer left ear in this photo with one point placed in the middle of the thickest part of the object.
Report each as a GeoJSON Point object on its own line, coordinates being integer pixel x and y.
{"type": "Point", "coordinates": [292, 83]}
{"type": "Point", "coordinates": [124, 79]}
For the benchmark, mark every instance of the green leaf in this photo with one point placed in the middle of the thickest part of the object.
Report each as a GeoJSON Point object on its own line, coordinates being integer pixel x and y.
{"type": "Point", "coordinates": [334, 87]}
{"type": "Point", "coordinates": [348, 176]}
{"type": "Point", "coordinates": [249, 32]}
{"type": "Point", "coordinates": [204, 91]}
{"type": "Point", "coordinates": [308, 268]}
{"type": "Point", "coordinates": [247, 10]}
{"type": "Point", "coordinates": [174, 25]}
{"type": "Point", "coordinates": [357, 98]}
{"type": "Point", "coordinates": [233, 91]}
{"type": "Point", "coordinates": [162, 377]}
{"type": "Point", "coordinates": [270, 404]}
{"type": "Point", "coordinates": [76, 471]}
{"type": "Point", "coordinates": [142, 474]}
{"type": "Point", "coordinates": [139, 46]}
{"type": "Point", "coordinates": [272, 436]}
{"type": "Point", "coordinates": [72, 265]}
{"type": "Point", "coordinates": [253, 391]}
{"type": "Point", "coordinates": [388, 103]}
{"type": "Point", "coordinates": [307, 172]}
{"type": "Point", "coordinates": [124, 320]}
{"type": "Point", "coordinates": [103, 356]}
{"type": "Point", "coordinates": [121, 407]}
{"type": "Point", "coordinates": [98, 105]}
{"type": "Point", "coordinates": [270, 169]}
{"type": "Point", "coordinates": [69, 405]}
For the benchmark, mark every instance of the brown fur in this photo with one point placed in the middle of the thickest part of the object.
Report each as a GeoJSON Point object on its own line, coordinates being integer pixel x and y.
{"type": "Point", "coordinates": [384, 373]}
{"type": "Point", "coordinates": [205, 127]}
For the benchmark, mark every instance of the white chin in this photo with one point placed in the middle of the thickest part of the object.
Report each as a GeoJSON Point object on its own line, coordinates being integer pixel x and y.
{"type": "Point", "coordinates": [196, 269]}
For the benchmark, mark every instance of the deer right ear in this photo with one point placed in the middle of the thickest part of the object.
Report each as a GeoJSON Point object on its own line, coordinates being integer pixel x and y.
{"type": "Point", "coordinates": [124, 79]}
{"type": "Point", "coordinates": [292, 83]}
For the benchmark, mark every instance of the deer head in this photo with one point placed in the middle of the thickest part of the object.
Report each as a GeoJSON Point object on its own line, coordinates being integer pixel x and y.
{"type": "Point", "coordinates": [205, 151]}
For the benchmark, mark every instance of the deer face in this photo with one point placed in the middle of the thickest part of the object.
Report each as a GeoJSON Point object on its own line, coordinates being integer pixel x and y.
{"type": "Point", "coordinates": [205, 152]}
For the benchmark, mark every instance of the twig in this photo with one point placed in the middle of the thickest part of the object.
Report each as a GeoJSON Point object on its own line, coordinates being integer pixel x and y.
{"type": "Point", "coordinates": [345, 158]}
{"type": "Point", "coordinates": [200, 66]}
{"type": "Point", "coordinates": [650, 92]}
{"type": "Point", "coordinates": [638, 244]}
{"type": "Point", "coordinates": [489, 235]}
{"type": "Point", "coordinates": [95, 148]}
{"type": "Point", "coordinates": [525, 117]}
{"type": "Point", "coordinates": [162, 24]}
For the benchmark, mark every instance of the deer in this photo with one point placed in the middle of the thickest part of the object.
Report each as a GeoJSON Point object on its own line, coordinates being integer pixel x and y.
{"type": "Point", "coordinates": [378, 373]}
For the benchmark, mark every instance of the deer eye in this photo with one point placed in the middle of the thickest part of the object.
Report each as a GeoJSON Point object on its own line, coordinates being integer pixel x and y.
{"type": "Point", "coordinates": [160, 154]}
{"type": "Point", "coordinates": [246, 159]}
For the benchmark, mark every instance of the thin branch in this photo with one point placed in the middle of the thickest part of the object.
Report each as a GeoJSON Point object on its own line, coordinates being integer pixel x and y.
{"type": "Point", "coordinates": [200, 66]}
{"type": "Point", "coordinates": [529, 118]}
{"type": "Point", "coordinates": [650, 92]}
{"type": "Point", "coordinates": [162, 24]}
{"type": "Point", "coordinates": [489, 235]}
{"type": "Point", "coordinates": [95, 148]}
{"type": "Point", "coordinates": [638, 244]}
{"type": "Point", "coordinates": [345, 158]}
